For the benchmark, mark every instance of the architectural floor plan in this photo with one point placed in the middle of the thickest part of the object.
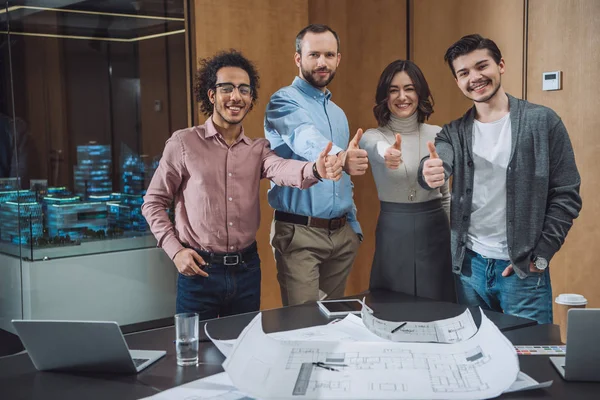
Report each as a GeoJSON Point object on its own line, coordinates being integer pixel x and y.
{"type": "Point", "coordinates": [481, 366]}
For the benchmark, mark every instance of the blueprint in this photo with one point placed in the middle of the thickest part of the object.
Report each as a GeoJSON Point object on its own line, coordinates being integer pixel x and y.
{"type": "Point", "coordinates": [349, 329]}
{"type": "Point", "coordinates": [451, 330]}
{"type": "Point", "coordinates": [214, 387]}
{"type": "Point", "coordinates": [481, 366]}
{"type": "Point", "coordinates": [372, 329]}
{"type": "Point", "coordinates": [220, 387]}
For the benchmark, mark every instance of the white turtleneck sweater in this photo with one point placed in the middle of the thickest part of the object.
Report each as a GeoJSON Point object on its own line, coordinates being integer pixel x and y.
{"type": "Point", "coordinates": [395, 185]}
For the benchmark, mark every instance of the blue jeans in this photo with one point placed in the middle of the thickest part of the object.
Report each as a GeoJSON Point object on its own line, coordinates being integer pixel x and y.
{"type": "Point", "coordinates": [228, 290]}
{"type": "Point", "coordinates": [481, 283]}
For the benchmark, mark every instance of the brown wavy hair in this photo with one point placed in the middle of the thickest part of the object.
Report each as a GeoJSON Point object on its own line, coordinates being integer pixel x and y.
{"type": "Point", "coordinates": [424, 109]}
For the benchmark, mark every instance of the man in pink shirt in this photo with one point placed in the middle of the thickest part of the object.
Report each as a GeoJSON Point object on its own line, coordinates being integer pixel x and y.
{"type": "Point", "coordinates": [212, 174]}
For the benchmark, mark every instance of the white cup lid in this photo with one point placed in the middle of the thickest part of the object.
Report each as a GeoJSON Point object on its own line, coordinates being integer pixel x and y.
{"type": "Point", "coordinates": [571, 299]}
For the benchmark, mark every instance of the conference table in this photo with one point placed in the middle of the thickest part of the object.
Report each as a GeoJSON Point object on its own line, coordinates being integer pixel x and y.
{"type": "Point", "coordinates": [20, 380]}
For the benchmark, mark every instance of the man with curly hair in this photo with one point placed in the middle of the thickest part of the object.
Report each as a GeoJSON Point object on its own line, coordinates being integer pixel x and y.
{"type": "Point", "coordinates": [212, 173]}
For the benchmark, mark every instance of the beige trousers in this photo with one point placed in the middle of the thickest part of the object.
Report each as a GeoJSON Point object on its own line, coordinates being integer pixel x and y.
{"type": "Point", "coordinates": [309, 259]}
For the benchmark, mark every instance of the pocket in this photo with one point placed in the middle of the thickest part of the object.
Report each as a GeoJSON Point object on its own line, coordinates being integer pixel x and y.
{"type": "Point", "coordinates": [253, 264]}
{"type": "Point", "coordinates": [536, 280]}
{"type": "Point", "coordinates": [284, 236]}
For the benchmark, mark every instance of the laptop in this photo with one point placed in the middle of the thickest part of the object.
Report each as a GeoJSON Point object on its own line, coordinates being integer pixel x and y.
{"type": "Point", "coordinates": [82, 346]}
{"type": "Point", "coordinates": [582, 360]}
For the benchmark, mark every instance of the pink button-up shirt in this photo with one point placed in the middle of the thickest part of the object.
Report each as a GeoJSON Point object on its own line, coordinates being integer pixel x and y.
{"type": "Point", "coordinates": [215, 189]}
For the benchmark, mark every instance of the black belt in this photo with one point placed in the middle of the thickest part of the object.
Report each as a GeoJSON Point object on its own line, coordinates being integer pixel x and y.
{"type": "Point", "coordinates": [229, 259]}
{"type": "Point", "coordinates": [314, 222]}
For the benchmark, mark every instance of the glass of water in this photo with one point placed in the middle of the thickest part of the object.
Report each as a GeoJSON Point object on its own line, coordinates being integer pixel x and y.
{"type": "Point", "coordinates": [186, 338]}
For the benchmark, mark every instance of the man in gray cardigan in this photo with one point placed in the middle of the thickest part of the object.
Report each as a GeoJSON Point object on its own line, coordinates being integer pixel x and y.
{"type": "Point", "coordinates": [515, 187]}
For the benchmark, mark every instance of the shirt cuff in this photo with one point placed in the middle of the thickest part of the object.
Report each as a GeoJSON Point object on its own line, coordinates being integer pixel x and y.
{"type": "Point", "coordinates": [544, 251]}
{"type": "Point", "coordinates": [355, 227]}
{"type": "Point", "coordinates": [172, 246]}
{"type": "Point", "coordinates": [308, 178]}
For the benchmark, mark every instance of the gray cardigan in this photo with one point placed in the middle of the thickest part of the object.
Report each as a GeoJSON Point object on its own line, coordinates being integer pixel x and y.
{"type": "Point", "coordinates": [542, 183]}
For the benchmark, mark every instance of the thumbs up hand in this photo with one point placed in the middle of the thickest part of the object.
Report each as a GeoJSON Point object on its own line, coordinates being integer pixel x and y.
{"type": "Point", "coordinates": [355, 159]}
{"type": "Point", "coordinates": [433, 168]}
{"type": "Point", "coordinates": [327, 166]}
{"type": "Point", "coordinates": [393, 154]}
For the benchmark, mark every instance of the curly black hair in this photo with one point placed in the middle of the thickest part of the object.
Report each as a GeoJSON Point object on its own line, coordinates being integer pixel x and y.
{"type": "Point", "coordinates": [206, 77]}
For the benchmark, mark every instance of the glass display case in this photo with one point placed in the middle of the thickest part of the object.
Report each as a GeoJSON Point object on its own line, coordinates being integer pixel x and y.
{"type": "Point", "coordinates": [89, 93]}
{"type": "Point", "coordinates": [96, 89]}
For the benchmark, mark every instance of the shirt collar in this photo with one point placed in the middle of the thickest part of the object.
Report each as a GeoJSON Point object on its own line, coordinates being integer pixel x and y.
{"type": "Point", "coordinates": [210, 130]}
{"type": "Point", "coordinates": [309, 89]}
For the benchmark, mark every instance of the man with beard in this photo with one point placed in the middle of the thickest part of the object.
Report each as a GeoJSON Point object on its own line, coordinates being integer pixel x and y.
{"type": "Point", "coordinates": [212, 175]}
{"type": "Point", "coordinates": [315, 233]}
{"type": "Point", "coordinates": [515, 187]}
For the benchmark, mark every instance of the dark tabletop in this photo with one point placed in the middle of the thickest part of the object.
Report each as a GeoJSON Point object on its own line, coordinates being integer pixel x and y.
{"type": "Point", "coordinates": [20, 380]}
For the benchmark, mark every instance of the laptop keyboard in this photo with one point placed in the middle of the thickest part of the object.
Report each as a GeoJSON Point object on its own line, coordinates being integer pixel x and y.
{"type": "Point", "coordinates": [139, 361]}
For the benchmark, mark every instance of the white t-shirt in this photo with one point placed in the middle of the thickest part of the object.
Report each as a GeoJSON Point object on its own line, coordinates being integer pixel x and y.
{"type": "Point", "coordinates": [491, 154]}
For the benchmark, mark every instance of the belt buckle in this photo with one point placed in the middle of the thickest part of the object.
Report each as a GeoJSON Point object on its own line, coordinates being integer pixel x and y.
{"type": "Point", "coordinates": [334, 224]}
{"type": "Point", "coordinates": [227, 258]}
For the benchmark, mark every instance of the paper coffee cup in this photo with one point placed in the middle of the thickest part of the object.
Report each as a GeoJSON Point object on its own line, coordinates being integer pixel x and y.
{"type": "Point", "coordinates": [564, 302]}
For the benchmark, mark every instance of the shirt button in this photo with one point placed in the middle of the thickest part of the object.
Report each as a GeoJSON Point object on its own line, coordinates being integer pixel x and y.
{"type": "Point", "coordinates": [231, 224]}
{"type": "Point", "coordinates": [469, 191]}
{"type": "Point", "coordinates": [230, 174]}
{"type": "Point", "coordinates": [230, 247]}
{"type": "Point", "coordinates": [231, 199]}
{"type": "Point", "coordinates": [455, 268]}
{"type": "Point", "coordinates": [470, 163]}
{"type": "Point", "coordinates": [465, 218]}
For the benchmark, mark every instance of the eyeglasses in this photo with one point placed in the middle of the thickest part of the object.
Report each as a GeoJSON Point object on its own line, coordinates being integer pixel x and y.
{"type": "Point", "coordinates": [227, 88]}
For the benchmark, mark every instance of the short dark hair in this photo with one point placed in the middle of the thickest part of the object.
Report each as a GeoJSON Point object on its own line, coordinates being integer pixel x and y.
{"type": "Point", "coordinates": [470, 43]}
{"type": "Point", "coordinates": [206, 77]}
{"type": "Point", "coordinates": [381, 110]}
{"type": "Point", "coordinates": [315, 28]}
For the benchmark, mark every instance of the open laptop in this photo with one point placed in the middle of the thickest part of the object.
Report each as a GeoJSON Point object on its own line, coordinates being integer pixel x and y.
{"type": "Point", "coordinates": [82, 346]}
{"type": "Point", "coordinates": [582, 361]}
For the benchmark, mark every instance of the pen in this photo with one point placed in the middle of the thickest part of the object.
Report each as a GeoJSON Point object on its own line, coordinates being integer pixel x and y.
{"type": "Point", "coordinates": [398, 327]}
{"type": "Point", "coordinates": [327, 366]}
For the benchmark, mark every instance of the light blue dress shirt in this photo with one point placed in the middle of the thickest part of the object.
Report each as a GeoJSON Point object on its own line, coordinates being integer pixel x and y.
{"type": "Point", "coordinates": [299, 122]}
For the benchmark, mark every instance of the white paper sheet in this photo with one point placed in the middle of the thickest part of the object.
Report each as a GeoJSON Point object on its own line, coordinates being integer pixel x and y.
{"type": "Point", "coordinates": [220, 387]}
{"type": "Point", "coordinates": [525, 382]}
{"type": "Point", "coordinates": [451, 330]}
{"type": "Point", "coordinates": [349, 329]}
{"type": "Point", "coordinates": [214, 387]}
{"type": "Point", "coordinates": [483, 366]}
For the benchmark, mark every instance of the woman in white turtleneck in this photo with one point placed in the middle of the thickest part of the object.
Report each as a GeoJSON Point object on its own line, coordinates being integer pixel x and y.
{"type": "Point", "coordinates": [412, 253]}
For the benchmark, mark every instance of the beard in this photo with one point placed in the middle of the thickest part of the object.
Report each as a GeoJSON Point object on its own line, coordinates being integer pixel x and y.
{"type": "Point", "coordinates": [316, 82]}
{"type": "Point", "coordinates": [487, 98]}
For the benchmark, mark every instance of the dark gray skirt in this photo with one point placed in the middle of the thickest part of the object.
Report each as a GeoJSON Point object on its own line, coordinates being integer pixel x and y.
{"type": "Point", "coordinates": [412, 253]}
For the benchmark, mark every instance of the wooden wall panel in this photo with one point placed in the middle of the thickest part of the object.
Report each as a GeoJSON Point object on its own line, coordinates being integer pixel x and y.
{"type": "Point", "coordinates": [372, 35]}
{"type": "Point", "coordinates": [155, 126]}
{"type": "Point", "coordinates": [565, 35]}
{"type": "Point", "coordinates": [177, 83]}
{"type": "Point", "coordinates": [438, 24]}
{"type": "Point", "coordinates": [264, 30]}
